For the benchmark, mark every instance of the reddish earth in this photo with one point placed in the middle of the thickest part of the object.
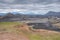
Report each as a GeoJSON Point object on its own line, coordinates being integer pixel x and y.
{"type": "Point", "coordinates": [12, 36]}
{"type": "Point", "coordinates": [23, 26]}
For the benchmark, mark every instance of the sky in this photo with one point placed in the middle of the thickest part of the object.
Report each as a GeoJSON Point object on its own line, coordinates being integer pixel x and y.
{"type": "Point", "coordinates": [32, 6]}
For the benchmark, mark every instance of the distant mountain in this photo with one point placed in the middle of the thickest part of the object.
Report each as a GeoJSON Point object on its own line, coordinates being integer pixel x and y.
{"type": "Point", "coordinates": [21, 16]}
{"type": "Point", "coordinates": [2, 14]}
{"type": "Point", "coordinates": [18, 13]}
{"type": "Point", "coordinates": [9, 15]}
{"type": "Point", "coordinates": [51, 13]}
{"type": "Point", "coordinates": [29, 15]}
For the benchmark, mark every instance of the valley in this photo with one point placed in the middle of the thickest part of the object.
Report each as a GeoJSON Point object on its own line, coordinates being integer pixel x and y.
{"type": "Point", "coordinates": [30, 27]}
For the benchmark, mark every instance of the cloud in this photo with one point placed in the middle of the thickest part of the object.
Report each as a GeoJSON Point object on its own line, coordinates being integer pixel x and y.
{"type": "Point", "coordinates": [36, 6]}
{"type": "Point", "coordinates": [29, 1]}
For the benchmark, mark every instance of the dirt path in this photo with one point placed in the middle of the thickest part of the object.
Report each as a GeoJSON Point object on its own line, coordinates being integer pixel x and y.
{"type": "Point", "coordinates": [11, 36]}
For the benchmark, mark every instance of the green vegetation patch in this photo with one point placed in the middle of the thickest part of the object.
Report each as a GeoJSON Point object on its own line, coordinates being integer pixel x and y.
{"type": "Point", "coordinates": [8, 26]}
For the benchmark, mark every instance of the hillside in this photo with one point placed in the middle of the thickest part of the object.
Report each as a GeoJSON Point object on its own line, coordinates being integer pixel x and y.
{"type": "Point", "coordinates": [51, 13]}
{"type": "Point", "coordinates": [21, 31]}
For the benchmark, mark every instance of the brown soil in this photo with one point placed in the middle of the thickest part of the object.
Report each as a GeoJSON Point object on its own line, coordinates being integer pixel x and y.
{"type": "Point", "coordinates": [12, 36]}
{"type": "Point", "coordinates": [15, 36]}
{"type": "Point", "coordinates": [23, 26]}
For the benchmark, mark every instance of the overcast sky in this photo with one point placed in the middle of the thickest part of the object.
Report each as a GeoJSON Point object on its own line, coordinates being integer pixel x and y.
{"type": "Point", "coordinates": [26, 6]}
